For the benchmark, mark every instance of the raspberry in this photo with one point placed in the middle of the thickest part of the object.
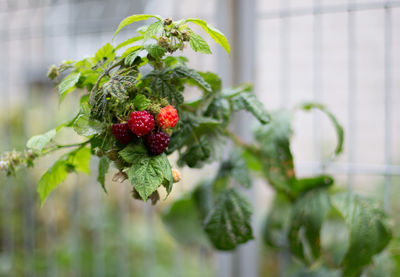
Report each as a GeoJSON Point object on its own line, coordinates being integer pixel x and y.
{"type": "Point", "coordinates": [168, 117]}
{"type": "Point", "coordinates": [157, 142]}
{"type": "Point", "coordinates": [122, 133]}
{"type": "Point", "coordinates": [141, 123]}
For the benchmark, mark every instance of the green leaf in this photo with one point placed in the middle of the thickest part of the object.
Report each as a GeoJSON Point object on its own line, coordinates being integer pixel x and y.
{"type": "Point", "coordinates": [213, 80]}
{"type": "Point", "coordinates": [127, 42]}
{"type": "Point", "coordinates": [153, 30]}
{"type": "Point", "coordinates": [37, 143]}
{"type": "Point", "coordinates": [67, 85]}
{"type": "Point", "coordinates": [120, 86]}
{"type": "Point", "coordinates": [156, 51]}
{"type": "Point", "coordinates": [215, 34]}
{"type": "Point", "coordinates": [228, 223]}
{"type": "Point", "coordinates": [147, 173]}
{"type": "Point", "coordinates": [309, 212]}
{"type": "Point", "coordinates": [98, 103]}
{"type": "Point", "coordinates": [250, 103]}
{"type": "Point", "coordinates": [369, 231]}
{"type": "Point", "coordinates": [277, 222]}
{"type": "Point", "coordinates": [161, 86]}
{"type": "Point", "coordinates": [104, 165]}
{"type": "Point", "coordinates": [130, 52]}
{"type": "Point", "coordinates": [134, 18]}
{"type": "Point", "coordinates": [183, 222]}
{"type": "Point", "coordinates": [219, 109]}
{"type": "Point", "coordinates": [198, 44]}
{"type": "Point", "coordinates": [184, 72]}
{"type": "Point", "coordinates": [196, 154]}
{"type": "Point", "coordinates": [84, 126]}
{"type": "Point", "coordinates": [51, 179]}
{"type": "Point", "coordinates": [104, 53]}
{"type": "Point", "coordinates": [276, 157]}
{"type": "Point", "coordinates": [141, 102]}
{"type": "Point", "coordinates": [236, 168]}
{"type": "Point", "coordinates": [130, 59]}
{"type": "Point", "coordinates": [77, 160]}
{"type": "Point", "coordinates": [338, 127]}
{"type": "Point", "coordinates": [320, 181]}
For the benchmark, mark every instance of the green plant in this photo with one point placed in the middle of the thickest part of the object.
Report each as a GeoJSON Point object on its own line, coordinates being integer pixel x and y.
{"type": "Point", "coordinates": [125, 89]}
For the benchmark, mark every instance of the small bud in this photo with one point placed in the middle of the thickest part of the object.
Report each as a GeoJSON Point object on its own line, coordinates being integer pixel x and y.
{"type": "Point", "coordinates": [175, 32]}
{"type": "Point", "coordinates": [154, 109]}
{"type": "Point", "coordinates": [53, 72]}
{"type": "Point", "coordinates": [120, 177]}
{"type": "Point", "coordinates": [164, 102]}
{"type": "Point", "coordinates": [112, 154]}
{"type": "Point", "coordinates": [167, 21]}
{"type": "Point", "coordinates": [29, 154]}
{"type": "Point", "coordinates": [185, 36]}
{"type": "Point", "coordinates": [98, 152]}
{"type": "Point", "coordinates": [163, 42]}
{"type": "Point", "coordinates": [176, 175]}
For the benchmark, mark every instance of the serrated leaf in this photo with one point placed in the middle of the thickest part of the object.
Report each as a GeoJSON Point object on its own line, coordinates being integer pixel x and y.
{"type": "Point", "coordinates": [84, 126]}
{"type": "Point", "coordinates": [215, 34]}
{"type": "Point", "coordinates": [153, 30]}
{"type": "Point", "coordinates": [338, 127]}
{"type": "Point", "coordinates": [161, 86]}
{"type": "Point", "coordinates": [51, 179]}
{"type": "Point", "coordinates": [309, 212]}
{"type": "Point", "coordinates": [156, 51]}
{"type": "Point", "coordinates": [130, 59]}
{"type": "Point", "coordinates": [131, 51]}
{"type": "Point", "coordinates": [196, 154]}
{"type": "Point", "coordinates": [141, 102]}
{"type": "Point", "coordinates": [128, 41]}
{"type": "Point", "coordinates": [37, 143]}
{"type": "Point", "coordinates": [198, 44]}
{"type": "Point", "coordinates": [147, 173]}
{"type": "Point", "coordinates": [106, 52]}
{"type": "Point", "coordinates": [104, 165]}
{"type": "Point", "coordinates": [77, 160]}
{"type": "Point", "coordinates": [250, 103]}
{"type": "Point", "coordinates": [134, 18]}
{"type": "Point", "coordinates": [119, 86]}
{"type": "Point", "coordinates": [236, 168]}
{"type": "Point", "coordinates": [368, 227]}
{"type": "Point", "coordinates": [98, 102]}
{"type": "Point", "coordinates": [228, 223]}
{"type": "Point", "coordinates": [276, 156]}
{"type": "Point", "coordinates": [184, 72]}
{"type": "Point", "coordinates": [183, 222]}
{"type": "Point", "coordinates": [219, 109]}
{"type": "Point", "coordinates": [213, 80]}
{"type": "Point", "coordinates": [67, 85]}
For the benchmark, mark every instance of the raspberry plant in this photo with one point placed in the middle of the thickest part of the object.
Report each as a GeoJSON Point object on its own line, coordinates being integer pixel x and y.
{"type": "Point", "coordinates": [133, 115]}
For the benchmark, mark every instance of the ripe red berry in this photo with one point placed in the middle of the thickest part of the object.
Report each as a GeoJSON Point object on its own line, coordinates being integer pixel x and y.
{"type": "Point", "coordinates": [141, 123]}
{"type": "Point", "coordinates": [122, 133]}
{"type": "Point", "coordinates": [168, 117]}
{"type": "Point", "coordinates": [157, 142]}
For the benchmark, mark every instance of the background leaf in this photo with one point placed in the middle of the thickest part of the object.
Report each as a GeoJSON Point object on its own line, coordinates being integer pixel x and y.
{"type": "Point", "coordinates": [134, 18]}
{"type": "Point", "coordinates": [198, 44]}
{"type": "Point", "coordinates": [67, 85]}
{"type": "Point", "coordinates": [37, 143]}
{"type": "Point", "coordinates": [153, 30]}
{"type": "Point", "coordinates": [250, 103]}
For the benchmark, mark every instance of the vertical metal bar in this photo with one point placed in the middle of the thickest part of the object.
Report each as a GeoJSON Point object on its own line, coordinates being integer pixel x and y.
{"type": "Point", "coordinates": [388, 103]}
{"type": "Point", "coordinates": [317, 81]}
{"type": "Point", "coordinates": [284, 57]}
{"type": "Point", "coordinates": [351, 83]}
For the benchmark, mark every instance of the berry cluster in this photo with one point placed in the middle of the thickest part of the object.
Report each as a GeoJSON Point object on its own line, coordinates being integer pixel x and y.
{"type": "Point", "coordinates": [141, 124]}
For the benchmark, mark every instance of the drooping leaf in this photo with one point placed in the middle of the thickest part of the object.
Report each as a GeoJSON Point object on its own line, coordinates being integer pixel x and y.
{"type": "Point", "coordinates": [250, 103]}
{"type": "Point", "coordinates": [104, 164]}
{"type": "Point", "coordinates": [98, 103]}
{"type": "Point", "coordinates": [219, 109]}
{"type": "Point", "coordinates": [183, 222]}
{"type": "Point", "coordinates": [147, 173]}
{"type": "Point", "coordinates": [215, 34]}
{"type": "Point", "coordinates": [228, 223]}
{"type": "Point", "coordinates": [130, 52]}
{"type": "Point", "coordinates": [67, 85]}
{"type": "Point", "coordinates": [276, 156]}
{"type": "Point", "coordinates": [37, 143]}
{"type": "Point", "coordinates": [153, 30]}
{"type": "Point", "coordinates": [196, 154]}
{"type": "Point", "coordinates": [134, 18]}
{"type": "Point", "coordinates": [236, 168]}
{"type": "Point", "coordinates": [368, 227]}
{"type": "Point", "coordinates": [79, 160]}
{"type": "Point", "coordinates": [198, 44]}
{"type": "Point", "coordinates": [141, 102]}
{"type": "Point", "coordinates": [213, 80]}
{"type": "Point", "coordinates": [130, 59]}
{"type": "Point", "coordinates": [127, 42]}
{"type": "Point", "coordinates": [184, 72]}
{"type": "Point", "coordinates": [309, 212]}
{"type": "Point", "coordinates": [276, 225]}
{"type": "Point", "coordinates": [156, 51]}
{"type": "Point", "coordinates": [338, 127]}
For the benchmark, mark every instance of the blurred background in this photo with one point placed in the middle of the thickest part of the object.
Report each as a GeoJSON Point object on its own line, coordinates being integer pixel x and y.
{"type": "Point", "coordinates": [342, 53]}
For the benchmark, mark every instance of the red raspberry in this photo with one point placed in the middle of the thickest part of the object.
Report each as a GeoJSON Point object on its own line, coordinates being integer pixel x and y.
{"type": "Point", "coordinates": [168, 117]}
{"type": "Point", "coordinates": [141, 123]}
{"type": "Point", "coordinates": [156, 142]}
{"type": "Point", "coordinates": [122, 133]}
